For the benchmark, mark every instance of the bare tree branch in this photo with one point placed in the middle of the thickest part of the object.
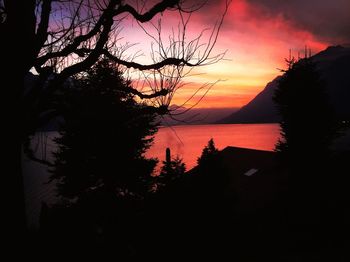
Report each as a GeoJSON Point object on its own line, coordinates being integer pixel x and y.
{"type": "Point", "coordinates": [160, 7]}
{"type": "Point", "coordinates": [42, 33]}
{"type": "Point", "coordinates": [104, 18]}
{"type": "Point", "coordinates": [141, 95]}
{"type": "Point", "coordinates": [94, 54]}
{"type": "Point", "coordinates": [156, 9]}
{"type": "Point", "coordinates": [167, 61]}
{"type": "Point", "coordinates": [87, 30]}
{"type": "Point", "coordinates": [65, 30]}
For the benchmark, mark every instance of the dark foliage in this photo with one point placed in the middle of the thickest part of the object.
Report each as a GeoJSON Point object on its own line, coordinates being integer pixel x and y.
{"type": "Point", "coordinates": [68, 37]}
{"type": "Point", "coordinates": [212, 178]}
{"type": "Point", "coordinates": [307, 125]}
{"type": "Point", "coordinates": [314, 203]}
{"type": "Point", "coordinates": [105, 135]}
{"type": "Point", "coordinates": [101, 172]}
{"type": "Point", "coordinates": [172, 170]}
{"type": "Point", "coordinates": [208, 153]}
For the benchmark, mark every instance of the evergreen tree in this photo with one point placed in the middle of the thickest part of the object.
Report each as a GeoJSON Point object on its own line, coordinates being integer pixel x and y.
{"type": "Point", "coordinates": [171, 170]}
{"type": "Point", "coordinates": [307, 125]}
{"type": "Point", "coordinates": [212, 176]}
{"type": "Point", "coordinates": [104, 137]}
{"type": "Point", "coordinates": [208, 153]}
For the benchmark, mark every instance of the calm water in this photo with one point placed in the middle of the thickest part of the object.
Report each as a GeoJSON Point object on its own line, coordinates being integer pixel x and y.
{"type": "Point", "coordinates": [185, 141]}
{"type": "Point", "coordinates": [188, 141]}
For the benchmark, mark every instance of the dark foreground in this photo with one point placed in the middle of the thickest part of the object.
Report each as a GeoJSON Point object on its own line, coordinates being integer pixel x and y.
{"type": "Point", "coordinates": [220, 212]}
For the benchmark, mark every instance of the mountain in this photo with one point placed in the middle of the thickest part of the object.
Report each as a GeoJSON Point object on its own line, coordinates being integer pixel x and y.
{"type": "Point", "coordinates": [195, 116]}
{"type": "Point", "coordinates": [334, 66]}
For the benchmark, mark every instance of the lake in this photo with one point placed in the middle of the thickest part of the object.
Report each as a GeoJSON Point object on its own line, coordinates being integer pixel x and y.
{"type": "Point", "coordinates": [185, 141]}
{"type": "Point", "coordinates": [188, 141]}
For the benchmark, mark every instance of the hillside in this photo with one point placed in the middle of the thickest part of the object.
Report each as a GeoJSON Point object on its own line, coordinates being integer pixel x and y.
{"type": "Point", "coordinates": [195, 116]}
{"type": "Point", "coordinates": [334, 66]}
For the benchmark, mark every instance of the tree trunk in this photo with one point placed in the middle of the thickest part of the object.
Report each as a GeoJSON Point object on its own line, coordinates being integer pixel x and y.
{"type": "Point", "coordinates": [16, 46]}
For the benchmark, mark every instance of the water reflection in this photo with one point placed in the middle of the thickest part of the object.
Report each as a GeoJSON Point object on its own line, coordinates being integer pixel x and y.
{"type": "Point", "coordinates": [188, 141]}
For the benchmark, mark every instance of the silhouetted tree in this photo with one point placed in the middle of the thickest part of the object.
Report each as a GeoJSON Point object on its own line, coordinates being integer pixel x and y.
{"type": "Point", "coordinates": [208, 153]}
{"type": "Point", "coordinates": [101, 173]}
{"type": "Point", "coordinates": [307, 125]}
{"type": "Point", "coordinates": [307, 130]}
{"type": "Point", "coordinates": [65, 38]}
{"type": "Point", "coordinates": [212, 176]}
{"type": "Point", "coordinates": [172, 170]}
{"type": "Point", "coordinates": [105, 134]}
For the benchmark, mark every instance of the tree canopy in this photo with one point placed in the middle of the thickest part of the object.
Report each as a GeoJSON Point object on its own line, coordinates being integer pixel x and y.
{"type": "Point", "coordinates": [307, 125]}
{"type": "Point", "coordinates": [105, 134]}
{"type": "Point", "coordinates": [208, 153]}
{"type": "Point", "coordinates": [59, 39]}
{"type": "Point", "coordinates": [65, 38]}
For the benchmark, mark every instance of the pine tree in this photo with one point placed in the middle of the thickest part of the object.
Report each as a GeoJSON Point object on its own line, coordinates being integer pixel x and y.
{"type": "Point", "coordinates": [171, 170]}
{"type": "Point", "coordinates": [208, 153]}
{"type": "Point", "coordinates": [307, 125]}
{"type": "Point", "coordinates": [104, 137]}
{"type": "Point", "coordinates": [174, 168]}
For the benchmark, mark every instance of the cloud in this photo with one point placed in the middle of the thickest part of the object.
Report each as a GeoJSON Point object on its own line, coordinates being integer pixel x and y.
{"type": "Point", "coordinates": [328, 20]}
{"type": "Point", "coordinates": [257, 35]}
{"type": "Point", "coordinates": [257, 41]}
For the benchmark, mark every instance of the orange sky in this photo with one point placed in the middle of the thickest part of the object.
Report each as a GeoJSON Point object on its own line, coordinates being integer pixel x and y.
{"type": "Point", "coordinates": [256, 45]}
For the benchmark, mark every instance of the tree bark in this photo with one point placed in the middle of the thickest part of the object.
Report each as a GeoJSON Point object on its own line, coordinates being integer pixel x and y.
{"type": "Point", "coordinates": [16, 47]}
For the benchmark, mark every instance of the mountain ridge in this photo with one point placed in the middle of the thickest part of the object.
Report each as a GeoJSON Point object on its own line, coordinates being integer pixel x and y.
{"type": "Point", "coordinates": [334, 66]}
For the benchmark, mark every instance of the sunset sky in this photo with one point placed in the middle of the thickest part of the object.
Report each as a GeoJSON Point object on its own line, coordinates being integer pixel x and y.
{"type": "Point", "coordinates": [257, 35]}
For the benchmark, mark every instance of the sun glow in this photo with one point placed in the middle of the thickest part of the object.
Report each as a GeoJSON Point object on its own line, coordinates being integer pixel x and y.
{"type": "Point", "coordinates": [256, 44]}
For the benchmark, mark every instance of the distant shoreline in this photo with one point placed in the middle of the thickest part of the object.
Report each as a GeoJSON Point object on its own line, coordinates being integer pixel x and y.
{"type": "Point", "coordinates": [209, 124]}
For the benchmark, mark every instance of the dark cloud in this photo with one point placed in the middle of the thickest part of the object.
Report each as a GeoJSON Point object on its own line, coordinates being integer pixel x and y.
{"type": "Point", "coordinates": [327, 19]}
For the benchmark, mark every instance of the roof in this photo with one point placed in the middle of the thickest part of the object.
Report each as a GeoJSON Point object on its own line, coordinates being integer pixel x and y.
{"type": "Point", "coordinates": [244, 159]}
{"type": "Point", "coordinates": [255, 176]}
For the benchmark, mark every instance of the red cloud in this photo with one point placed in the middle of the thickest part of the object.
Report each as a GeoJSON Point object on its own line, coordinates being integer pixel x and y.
{"type": "Point", "coordinates": [256, 41]}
